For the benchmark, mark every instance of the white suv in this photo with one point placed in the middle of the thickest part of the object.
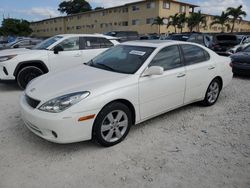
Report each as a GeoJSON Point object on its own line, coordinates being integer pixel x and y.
{"type": "Point", "coordinates": [55, 53]}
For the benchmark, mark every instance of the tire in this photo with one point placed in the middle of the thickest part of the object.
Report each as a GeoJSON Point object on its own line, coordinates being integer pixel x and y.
{"type": "Point", "coordinates": [108, 130]}
{"type": "Point", "coordinates": [212, 93]}
{"type": "Point", "coordinates": [26, 74]}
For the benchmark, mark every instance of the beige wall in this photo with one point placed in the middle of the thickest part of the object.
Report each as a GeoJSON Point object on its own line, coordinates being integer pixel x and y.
{"type": "Point", "coordinates": [121, 18]}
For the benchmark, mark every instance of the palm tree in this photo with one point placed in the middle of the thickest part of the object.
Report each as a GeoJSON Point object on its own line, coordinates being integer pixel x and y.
{"type": "Point", "coordinates": [181, 21]}
{"type": "Point", "coordinates": [158, 21]}
{"type": "Point", "coordinates": [196, 19]}
{"type": "Point", "coordinates": [236, 14]}
{"type": "Point", "coordinates": [173, 21]}
{"type": "Point", "coordinates": [222, 20]}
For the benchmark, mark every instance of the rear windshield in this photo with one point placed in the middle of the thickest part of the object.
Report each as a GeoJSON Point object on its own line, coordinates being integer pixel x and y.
{"type": "Point", "coordinates": [227, 37]}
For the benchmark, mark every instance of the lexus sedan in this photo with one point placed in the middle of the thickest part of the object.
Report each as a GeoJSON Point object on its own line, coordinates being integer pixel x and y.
{"type": "Point", "coordinates": [125, 85]}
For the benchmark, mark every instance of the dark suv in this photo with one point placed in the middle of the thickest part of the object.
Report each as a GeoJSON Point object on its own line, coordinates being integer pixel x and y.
{"type": "Point", "coordinates": [223, 42]}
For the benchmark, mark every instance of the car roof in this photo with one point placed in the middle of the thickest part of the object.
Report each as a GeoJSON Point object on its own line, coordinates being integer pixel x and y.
{"type": "Point", "coordinates": [87, 35]}
{"type": "Point", "coordinates": [153, 43]}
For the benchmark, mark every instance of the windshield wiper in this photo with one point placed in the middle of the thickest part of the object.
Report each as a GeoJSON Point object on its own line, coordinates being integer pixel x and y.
{"type": "Point", "coordinates": [106, 67]}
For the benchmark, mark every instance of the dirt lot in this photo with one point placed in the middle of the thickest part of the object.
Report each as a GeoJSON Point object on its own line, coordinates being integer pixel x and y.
{"type": "Point", "coordinates": [189, 147]}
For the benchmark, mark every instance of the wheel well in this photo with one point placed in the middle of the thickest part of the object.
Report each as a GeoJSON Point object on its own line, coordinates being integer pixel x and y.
{"type": "Point", "coordinates": [221, 81]}
{"type": "Point", "coordinates": [38, 64]}
{"type": "Point", "coordinates": [128, 104]}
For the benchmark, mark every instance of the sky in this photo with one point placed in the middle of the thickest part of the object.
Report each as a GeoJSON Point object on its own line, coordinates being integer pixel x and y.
{"type": "Point", "coordinates": [34, 10]}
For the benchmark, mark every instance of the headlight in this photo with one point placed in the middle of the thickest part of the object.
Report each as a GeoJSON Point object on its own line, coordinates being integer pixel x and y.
{"type": "Point", "coordinates": [62, 103]}
{"type": "Point", "coordinates": [6, 58]}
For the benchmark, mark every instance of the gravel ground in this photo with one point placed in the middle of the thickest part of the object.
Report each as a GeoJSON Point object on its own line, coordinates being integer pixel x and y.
{"type": "Point", "coordinates": [191, 147]}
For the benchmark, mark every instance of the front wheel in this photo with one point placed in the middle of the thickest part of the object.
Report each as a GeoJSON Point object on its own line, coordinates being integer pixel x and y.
{"type": "Point", "coordinates": [26, 74]}
{"type": "Point", "coordinates": [212, 93]}
{"type": "Point", "coordinates": [112, 124]}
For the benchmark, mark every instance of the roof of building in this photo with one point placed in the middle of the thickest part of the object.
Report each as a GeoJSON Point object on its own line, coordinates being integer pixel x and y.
{"type": "Point", "coordinates": [99, 10]}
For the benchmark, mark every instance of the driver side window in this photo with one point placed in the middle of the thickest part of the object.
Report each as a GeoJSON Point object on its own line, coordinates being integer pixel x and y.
{"type": "Point", "coordinates": [70, 44]}
{"type": "Point", "coordinates": [168, 58]}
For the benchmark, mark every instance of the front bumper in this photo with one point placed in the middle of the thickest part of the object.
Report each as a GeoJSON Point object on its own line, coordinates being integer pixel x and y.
{"type": "Point", "coordinates": [59, 128]}
{"type": "Point", "coordinates": [5, 73]}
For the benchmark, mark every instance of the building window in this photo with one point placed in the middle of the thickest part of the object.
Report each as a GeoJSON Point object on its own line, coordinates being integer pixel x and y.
{"type": "Point", "coordinates": [135, 22]}
{"type": "Point", "coordinates": [125, 10]}
{"type": "Point", "coordinates": [124, 23]}
{"type": "Point", "coordinates": [135, 8]}
{"type": "Point", "coordinates": [166, 4]}
{"type": "Point", "coordinates": [151, 5]}
{"type": "Point", "coordinates": [78, 27]}
{"type": "Point", "coordinates": [182, 9]}
{"type": "Point", "coordinates": [150, 20]}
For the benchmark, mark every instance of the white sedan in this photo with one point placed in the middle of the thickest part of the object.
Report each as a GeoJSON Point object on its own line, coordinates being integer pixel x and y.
{"type": "Point", "coordinates": [125, 85]}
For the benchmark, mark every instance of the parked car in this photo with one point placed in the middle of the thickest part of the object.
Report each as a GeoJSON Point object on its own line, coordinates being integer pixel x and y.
{"type": "Point", "coordinates": [239, 47]}
{"type": "Point", "coordinates": [125, 85]}
{"type": "Point", "coordinates": [223, 42]}
{"type": "Point", "coordinates": [199, 38]}
{"type": "Point", "coordinates": [59, 52]}
{"type": "Point", "coordinates": [124, 36]}
{"type": "Point", "coordinates": [150, 37]}
{"type": "Point", "coordinates": [21, 43]}
{"type": "Point", "coordinates": [241, 62]}
{"type": "Point", "coordinates": [179, 37]}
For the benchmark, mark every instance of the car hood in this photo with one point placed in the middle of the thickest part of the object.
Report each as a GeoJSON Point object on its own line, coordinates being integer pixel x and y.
{"type": "Point", "coordinates": [18, 51]}
{"type": "Point", "coordinates": [80, 78]}
{"type": "Point", "coordinates": [241, 57]}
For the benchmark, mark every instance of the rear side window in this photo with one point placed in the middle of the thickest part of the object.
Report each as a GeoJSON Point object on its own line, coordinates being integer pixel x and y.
{"type": "Point", "coordinates": [168, 58]}
{"type": "Point", "coordinates": [194, 54]}
{"type": "Point", "coordinates": [96, 43]}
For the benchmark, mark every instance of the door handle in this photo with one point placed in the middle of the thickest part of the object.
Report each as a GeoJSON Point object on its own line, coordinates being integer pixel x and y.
{"type": "Point", "coordinates": [181, 75]}
{"type": "Point", "coordinates": [211, 67]}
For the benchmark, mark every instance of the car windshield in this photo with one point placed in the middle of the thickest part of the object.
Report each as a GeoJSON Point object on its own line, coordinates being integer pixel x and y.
{"type": "Point", "coordinates": [122, 58]}
{"type": "Point", "coordinates": [45, 44]}
{"type": "Point", "coordinates": [247, 49]}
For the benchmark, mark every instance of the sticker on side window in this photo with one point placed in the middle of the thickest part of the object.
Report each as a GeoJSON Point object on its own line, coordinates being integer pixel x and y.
{"type": "Point", "coordinates": [135, 52]}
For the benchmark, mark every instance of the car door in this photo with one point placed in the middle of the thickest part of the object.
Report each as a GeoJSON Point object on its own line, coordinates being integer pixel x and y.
{"type": "Point", "coordinates": [69, 55]}
{"type": "Point", "coordinates": [161, 93]}
{"type": "Point", "coordinates": [93, 46]}
{"type": "Point", "coordinates": [200, 70]}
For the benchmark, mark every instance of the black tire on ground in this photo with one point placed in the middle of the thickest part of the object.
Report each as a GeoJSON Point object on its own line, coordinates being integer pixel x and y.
{"type": "Point", "coordinates": [26, 74]}
{"type": "Point", "coordinates": [212, 93]}
{"type": "Point", "coordinates": [100, 134]}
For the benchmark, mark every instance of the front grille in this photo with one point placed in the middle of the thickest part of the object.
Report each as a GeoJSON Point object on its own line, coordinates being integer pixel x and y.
{"type": "Point", "coordinates": [32, 102]}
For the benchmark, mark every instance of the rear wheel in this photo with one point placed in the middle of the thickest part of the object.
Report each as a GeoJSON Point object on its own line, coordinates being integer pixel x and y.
{"type": "Point", "coordinates": [26, 74]}
{"type": "Point", "coordinates": [212, 93]}
{"type": "Point", "coordinates": [112, 124]}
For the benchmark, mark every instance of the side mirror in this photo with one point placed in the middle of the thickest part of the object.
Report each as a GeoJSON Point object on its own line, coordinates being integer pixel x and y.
{"type": "Point", "coordinates": [239, 49]}
{"type": "Point", "coordinates": [154, 70]}
{"type": "Point", "coordinates": [58, 49]}
{"type": "Point", "coordinates": [16, 46]}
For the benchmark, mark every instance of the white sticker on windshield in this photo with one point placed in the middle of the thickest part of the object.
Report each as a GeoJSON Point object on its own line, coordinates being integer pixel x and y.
{"type": "Point", "coordinates": [135, 52]}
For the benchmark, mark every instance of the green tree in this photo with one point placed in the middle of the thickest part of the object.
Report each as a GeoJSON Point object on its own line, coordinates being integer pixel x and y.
{"type": "Point", "coordinates": [173, 21]}
{"type": "Point", "coordinates": [222, 20]}
{"type": "Point", "coordinates": [236, 14]}
{"type": "Point", "coordinates": [15, 27]}
{"type": "Point", "coordinates": [181, 21]}
{"type": "Point", "coordinates": [74, 7]}
{"type": "Point", "coordinates": [158, 21]}
{"type": "Point", "coordinates": [195, 20]}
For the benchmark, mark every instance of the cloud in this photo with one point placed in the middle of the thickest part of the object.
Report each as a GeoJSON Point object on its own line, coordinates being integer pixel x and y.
{"type": "Point", "coordinates": [42, 12]}
{"type": "Point", "coordinates": [110, 3]}
{"type": "Point", "coordinates": [217, 6]}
